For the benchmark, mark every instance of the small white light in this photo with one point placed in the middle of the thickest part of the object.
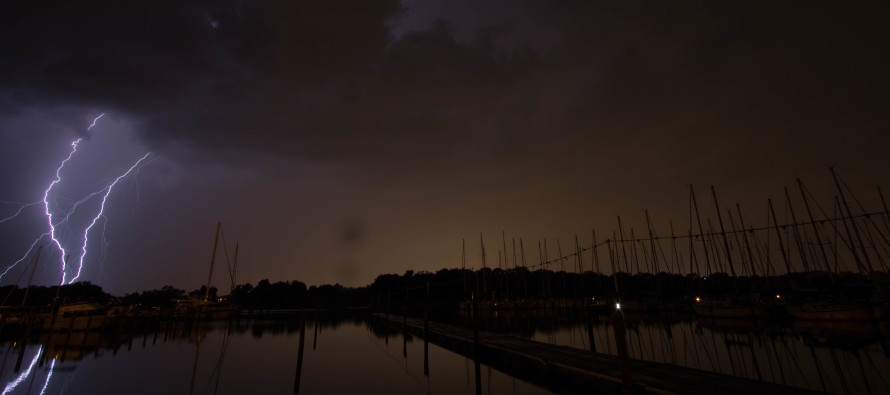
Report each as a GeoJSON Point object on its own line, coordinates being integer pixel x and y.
{"type": "Point", "coordinates": [618, 306]}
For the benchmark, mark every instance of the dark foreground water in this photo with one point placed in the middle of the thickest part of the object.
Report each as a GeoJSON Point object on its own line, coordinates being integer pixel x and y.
{"type": "Point", "coordinates": [248, 357]}
{"type": "Point", "coordinates": [350, 354]}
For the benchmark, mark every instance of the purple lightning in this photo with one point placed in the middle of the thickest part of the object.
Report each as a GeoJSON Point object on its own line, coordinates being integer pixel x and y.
{"type": "Point", "coordinates": [94, 121]}
{"type": "Point", "coordinates": [23, 206]}
{"type": "Point", "coordinates": [96, 218]}
{"type": "Point", "coordinates": [67, 214]}
{"type": "Point", "coordinates": [49, 215]}
{"type": "Point", "coordinates": [48, 376]}
{"type": "Point", "coordinates": [18, 380]}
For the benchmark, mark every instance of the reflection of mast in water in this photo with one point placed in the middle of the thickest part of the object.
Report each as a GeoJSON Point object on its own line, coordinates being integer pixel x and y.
{"type": "Point", "coordinates": [195, 366]}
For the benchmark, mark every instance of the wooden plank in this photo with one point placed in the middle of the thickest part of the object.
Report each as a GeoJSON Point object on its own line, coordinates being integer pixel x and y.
{"type": "Point", "coordinates": [568, 369]}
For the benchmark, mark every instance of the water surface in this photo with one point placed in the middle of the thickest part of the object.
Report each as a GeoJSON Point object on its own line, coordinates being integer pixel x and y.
{"type": "Point", "coordinates": [341, 355]}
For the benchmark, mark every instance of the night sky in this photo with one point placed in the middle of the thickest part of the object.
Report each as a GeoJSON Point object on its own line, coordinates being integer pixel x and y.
{"type": "Point", "coordinates": [340, 140]}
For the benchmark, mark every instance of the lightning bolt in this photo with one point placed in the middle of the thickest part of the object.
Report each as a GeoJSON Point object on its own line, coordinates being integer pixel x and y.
{"type": "Point", "coordinates": [48, 376]}
{"type": "Point", "coordinates": [23, 206]}
{"type": "Point", "coordinates": [49, 215]}
{"type": "Point", "coordinates": [18, 380]}
{"type": "Point", "coordinates": [95, 120]}
{"type": "Point", "coordinates": [66, 215]}
{"type": "Point", "coordinates": [96, 218]}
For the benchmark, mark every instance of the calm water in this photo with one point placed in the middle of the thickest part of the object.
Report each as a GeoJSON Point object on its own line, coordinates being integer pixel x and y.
{"type": "Point", "coordinates": [346, 356]}
{"type": "Point", "coordinates": [352, 355]}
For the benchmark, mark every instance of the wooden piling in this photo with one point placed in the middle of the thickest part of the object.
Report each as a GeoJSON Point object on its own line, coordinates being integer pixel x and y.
{"type": "Point", "coordinates": [426, 328]}
{"type": "Point", "coordinates": [621, 347]}
{"type": "Point", "coordinates": [300, 351]}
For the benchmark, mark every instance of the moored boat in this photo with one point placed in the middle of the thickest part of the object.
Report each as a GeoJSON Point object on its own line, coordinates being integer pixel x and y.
{"type": "Point", "coordinates": [77, 317]}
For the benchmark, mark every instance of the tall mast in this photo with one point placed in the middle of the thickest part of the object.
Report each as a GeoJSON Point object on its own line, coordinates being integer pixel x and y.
{"type": "Point", "coordinates": [871, 270]}
{"type": "Point", "coordinates": [506, 280]}
{"type": "Point", "coordinates": [633, 244]}
{"type": "Point", "coordinates": [692, 258]}
{"type": "Point", "coordinates": [212, 260]}
{"type": "Point", "coordinates": [623, 252]}
{"type": "Point", "coordinates": [514, 253]}
{"type": "Point", "coordinates": [578, 256]}
{"type": "Point", "coordinates": [484, 274]}
{"type": "Point", "coordinates": [549, 280]}
{"type": "Point", "coordinates": [701, 230]}
{"type": "Point", "coordinates": [735, 234]}
{"type": "Point", "coordinates": [516, 272]}
{"type": "Point", "coordinates": [562, 264]}
{"type": "Point", "coordinates": [234, 270]}
{"type": "Point", "coordinates": [779, 235]}
{"type": "Point", "coordinates": [612, 261]}
{"type": "Point", "coordinates": [504, 240]}
{"type": "Point", "coordinates": [723, 234]}
{"type": "Point", "coordinates": [652, 242]}
{"type": "Point", "coordinates": [797, 238]}
{"type": "Point", "coordinates": [596, 258]}
{"type": "Point", "coordinates": [718, 263]}
{"type": "Point", "coordinates": [675, 255]}
{"type": "Point", "coordinates": [852, 221]}
{"type": "Point", "coordinates": [463, 262]}
{"type": "Point", "coordinates": [524, 266]}
{"type": "Point", "coordinates": [806, 204]}
{"type": "Point", "coordinates": [580, 267]}
{"type": "Point", "coordinates": [885, 213]}
{"type": "Point", "coordinates": [745, 238]}
{"type": "Point", "coordinates": [543, 271]}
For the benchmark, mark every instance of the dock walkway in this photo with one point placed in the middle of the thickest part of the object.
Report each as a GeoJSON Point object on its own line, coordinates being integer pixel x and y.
{"type": "Point", "coordinates": [567, 369]}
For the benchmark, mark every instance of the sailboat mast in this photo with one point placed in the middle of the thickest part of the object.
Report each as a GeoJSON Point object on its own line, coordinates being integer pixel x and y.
{"type": "Point", "coordinates": [806, 204]}
{"type": "Point", "coordinates": [212, 260]}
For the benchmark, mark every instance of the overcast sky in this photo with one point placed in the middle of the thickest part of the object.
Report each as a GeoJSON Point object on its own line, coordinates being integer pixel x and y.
{"type": "Point", "coordinates": [340, 140]}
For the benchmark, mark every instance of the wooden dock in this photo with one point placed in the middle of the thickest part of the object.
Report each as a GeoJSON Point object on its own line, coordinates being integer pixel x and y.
{"type": "Point", "coordinates": [571, 370]}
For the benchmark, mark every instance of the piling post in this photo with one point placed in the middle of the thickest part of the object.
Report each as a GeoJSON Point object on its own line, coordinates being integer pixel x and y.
{"type": "Point", "coordinates": [300, 351]}
{"type": "Point", "coordinates": [21, 357]}
{"type": "Point", "coordinates": [476, 368]}
{"type": "Point", "coordinates": [587, 320]}
{"type": "Point", "coordinates": [426, 337]}
{"type": "Point", "coordinates": [315, 336]}
{"type": "Point", "coordinates": [405, 327]}
{"type": "Point", "coordinates": [621, 347]}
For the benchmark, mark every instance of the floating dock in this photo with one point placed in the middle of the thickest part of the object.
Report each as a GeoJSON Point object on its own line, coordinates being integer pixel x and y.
{"type": "Point", "coordinates": [572, 370]}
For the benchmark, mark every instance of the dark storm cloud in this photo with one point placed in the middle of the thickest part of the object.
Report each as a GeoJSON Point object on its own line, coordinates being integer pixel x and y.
{"type": "Point", "coordinates": [294, 77]}
{"type": "Point", "coordinates": [432, 120]}
{"type": "Point", "coordinates": [331, 78]}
